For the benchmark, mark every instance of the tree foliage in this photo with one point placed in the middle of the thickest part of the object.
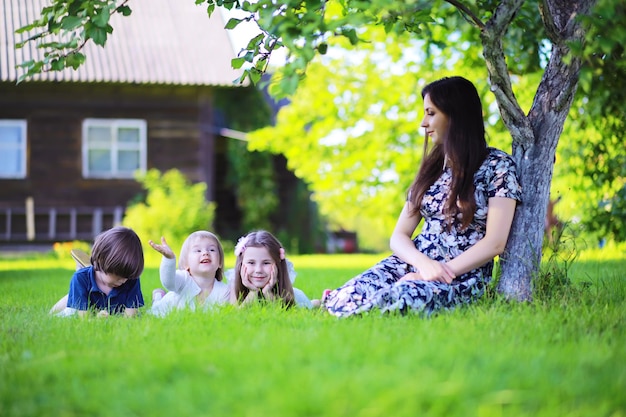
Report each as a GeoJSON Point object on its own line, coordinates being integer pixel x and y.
{"type": "Point", "coordinates": [63, 30]}
{"type": "Point", "coordinates": [357, 140]}
{"type": "Point", "coordinates": [594, 149]}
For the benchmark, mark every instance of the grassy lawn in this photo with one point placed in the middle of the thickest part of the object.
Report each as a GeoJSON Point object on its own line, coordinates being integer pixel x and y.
{"type": "Point", "coordinates": [565, 357]}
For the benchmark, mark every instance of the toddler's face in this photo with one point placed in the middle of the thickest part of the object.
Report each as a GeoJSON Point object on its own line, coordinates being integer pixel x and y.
{"type": "Point", "coordinates": [203, 259]}
{"type": "Point", "coordinates": [258, 266]}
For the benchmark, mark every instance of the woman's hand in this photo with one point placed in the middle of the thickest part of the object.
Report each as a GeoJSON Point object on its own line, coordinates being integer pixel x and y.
{"type": "Point", "coordinates": [411, 276]}
{"type": "Point", "coordinates": [431, 271]}
{"type": "Point", "coordinates": [163, 248]}
{"type": "Point", "coordinates": [436, 271]}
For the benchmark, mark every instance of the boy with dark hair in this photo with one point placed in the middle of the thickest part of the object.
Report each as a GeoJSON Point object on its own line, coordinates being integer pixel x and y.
{"type": "Point", "coordinates": [110, 285]}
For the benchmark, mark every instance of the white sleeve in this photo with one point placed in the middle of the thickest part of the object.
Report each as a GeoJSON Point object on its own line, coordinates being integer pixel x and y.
{"type": "Point", "coordinates": [172, 279]}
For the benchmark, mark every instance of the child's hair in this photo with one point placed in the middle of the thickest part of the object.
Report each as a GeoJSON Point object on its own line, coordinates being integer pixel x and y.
{"type": "Point", "coordinates": [263, 239]}
{"type": "Point", "coordinates": [201, 234]}
{"type": "Point", "coordinates": [118, 251]}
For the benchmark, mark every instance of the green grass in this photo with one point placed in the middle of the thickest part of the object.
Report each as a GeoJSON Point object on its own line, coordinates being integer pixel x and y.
{"type": "Point", "coordinates": [562, 357]}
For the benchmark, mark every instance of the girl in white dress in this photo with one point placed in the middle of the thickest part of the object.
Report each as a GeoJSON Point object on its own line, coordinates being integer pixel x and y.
{"type": "Point", "coordinates": [198, 281]}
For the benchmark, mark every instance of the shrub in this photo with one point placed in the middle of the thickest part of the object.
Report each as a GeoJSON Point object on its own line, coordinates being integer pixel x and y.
{"type": "Point", "coordinates": [173, 207]}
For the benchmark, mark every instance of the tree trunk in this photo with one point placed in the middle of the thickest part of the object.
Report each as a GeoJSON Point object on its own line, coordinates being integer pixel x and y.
{"type": "Point", "coordinates": [535, 136]}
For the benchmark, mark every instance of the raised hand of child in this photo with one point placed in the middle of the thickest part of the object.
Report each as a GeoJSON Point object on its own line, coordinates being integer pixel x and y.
{"type": "Point", "coordinates": [164, 249]}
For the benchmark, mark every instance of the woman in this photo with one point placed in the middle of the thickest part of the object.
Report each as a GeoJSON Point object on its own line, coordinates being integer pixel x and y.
{"type": "Point", "coordinates": [466, 193]}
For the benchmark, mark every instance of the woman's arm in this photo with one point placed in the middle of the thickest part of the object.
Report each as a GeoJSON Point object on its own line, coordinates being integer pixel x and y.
{"type": "Point", "coordinates": [402, 245]}
{"type": "Point", "coordinates": [499, 220]}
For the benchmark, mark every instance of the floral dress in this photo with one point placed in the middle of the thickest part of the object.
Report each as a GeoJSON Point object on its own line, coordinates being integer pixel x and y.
{"type": "Point", "coordinates": [379, 288]}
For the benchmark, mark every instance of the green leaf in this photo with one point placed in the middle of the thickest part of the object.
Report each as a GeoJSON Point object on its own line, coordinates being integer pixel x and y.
{"type": "Point", "coordinates": [308, 53]}
{"type": "Point", "coordinates": [350, 33]}
{"type": "Point", "coordinates": [25, 64]}
{"type": "Point", "coordinates": [237, 63]}
{"type": "Point", "coordinates": [32, 38]}
{"type": "Point", "coordinates": [71, 22]}
{"type": "Point", "coordinates": [261, 64]}
{"type": "Point", "coordinates": [99, 35]}
{"type": "Point", "coordinates": [101, 18]}
{"type": "Point", "coordinates": [254, 74]}
{"type": "Point", "coordinates": [57, 64]}
{"type": "Point", "coordinates": [27, 28]}
{"type": "Point", "coordinates": [124, 10]}
{"type": "Point", "coordinates": [75, 60]}
{"type": "Point", "coordinates": [53, 26]}
{"type": "Point", "coordinates": [241, 79]}
{"type": "Point", "coordinates": [232, 23]}
{"type": "Point", "coordinates": [254, 42]}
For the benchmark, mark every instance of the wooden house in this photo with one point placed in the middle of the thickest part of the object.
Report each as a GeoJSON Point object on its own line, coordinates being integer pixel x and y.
{"type": "Point", "coordinates": [70, 141]}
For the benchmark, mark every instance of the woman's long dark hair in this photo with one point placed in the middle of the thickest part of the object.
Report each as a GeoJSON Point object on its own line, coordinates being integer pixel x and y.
{"type": "Point", "coordinates": [464, 148]}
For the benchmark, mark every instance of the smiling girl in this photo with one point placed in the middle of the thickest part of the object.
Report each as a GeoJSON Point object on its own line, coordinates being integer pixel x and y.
{"type": "Point", "coordinates": [263, 273]}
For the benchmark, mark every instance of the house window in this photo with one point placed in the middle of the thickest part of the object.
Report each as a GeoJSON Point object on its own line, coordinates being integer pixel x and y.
{"type": "Point", "coordinates": [12, 149]}
{"type": "Point", "coordinates": [113, 148]}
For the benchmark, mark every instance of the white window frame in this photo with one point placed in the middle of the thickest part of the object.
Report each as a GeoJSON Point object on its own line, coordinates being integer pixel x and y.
{"type": "Point", "coordinates": [114, 125]}
{"type": "Point", "coordinates": [20, 149]}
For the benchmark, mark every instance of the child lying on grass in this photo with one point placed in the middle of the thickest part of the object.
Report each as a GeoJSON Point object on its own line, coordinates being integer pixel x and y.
{"type": "Point", "coordinates": [198, 280]}
{"type": "Point", "coordinates": [263, 273]}
{"type": "Point", "coordinates": [109, 282]}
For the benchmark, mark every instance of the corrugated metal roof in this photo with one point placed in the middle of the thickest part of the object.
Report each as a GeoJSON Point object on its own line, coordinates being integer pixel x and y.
{"type": "Point", "coordinates": [161, 42]}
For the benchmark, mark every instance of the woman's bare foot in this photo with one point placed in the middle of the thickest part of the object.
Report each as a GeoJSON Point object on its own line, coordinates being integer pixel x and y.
{"type": "Point", "coordinates": [319, 303]}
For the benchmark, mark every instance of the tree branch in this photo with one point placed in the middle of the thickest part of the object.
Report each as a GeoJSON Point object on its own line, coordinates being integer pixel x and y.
{"type": "Point", "coordinates": [491, 36]}
{"type": "Point", "coordinates": [548, 22]}
{"type": "Point", "coordinates": [465, 10]}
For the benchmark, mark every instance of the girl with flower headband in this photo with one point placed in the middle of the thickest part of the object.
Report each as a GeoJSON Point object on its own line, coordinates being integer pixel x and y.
{"type": "Point", "coordinates": [263, 273]}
